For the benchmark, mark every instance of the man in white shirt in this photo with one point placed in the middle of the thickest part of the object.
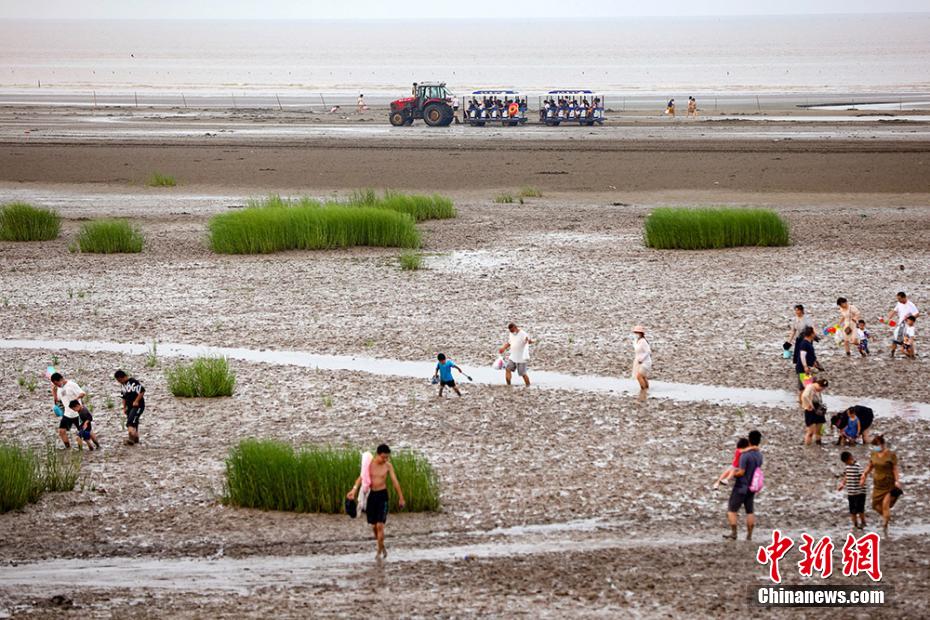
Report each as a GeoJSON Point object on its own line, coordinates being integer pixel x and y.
{"type": "Point", "coordinates": [64, 392]}
{"type": "Point", "coordinates": [903, 309]}
{"type": "Point", "coordinates": [518, 342]}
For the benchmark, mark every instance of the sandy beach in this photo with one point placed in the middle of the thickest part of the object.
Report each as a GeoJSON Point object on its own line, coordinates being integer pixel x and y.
{"type": "Point", "coordinates": [556, 502]}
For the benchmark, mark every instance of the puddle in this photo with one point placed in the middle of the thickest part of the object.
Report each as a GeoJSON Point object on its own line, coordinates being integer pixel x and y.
{"type": "Point", "coordinates": [542, 379]}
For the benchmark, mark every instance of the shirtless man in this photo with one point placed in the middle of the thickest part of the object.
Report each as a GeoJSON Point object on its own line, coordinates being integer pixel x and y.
{"type": "Point", "coordinates": [377, 507]}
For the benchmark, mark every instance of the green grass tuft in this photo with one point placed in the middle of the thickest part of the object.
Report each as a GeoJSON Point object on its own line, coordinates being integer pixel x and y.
{"type": "Point", "coordinates": [272, 475]}
{"type": "Point", "coordinates": [161, 180]}
{"type": "Point", "coordinates": [698, 229]}
{"type": "Point", "coordinates": [411, 261]}
{"type": "Point", "coordinates": [504, 199]}
{"type": "Point", "coordinates": [24, 476]}
{"type": "Point", "coordinates": [530, 192]}
{"type": "Point", "coordinates": [23, 222]}
{"type": "Point", "coordinates": [275, 224]}
{"type": "Point", "coordinates": [112, 236]}
{"type": "Point", "coordinates": [205, 377]}
{"type": "Point", "coordinates": [419, 207]}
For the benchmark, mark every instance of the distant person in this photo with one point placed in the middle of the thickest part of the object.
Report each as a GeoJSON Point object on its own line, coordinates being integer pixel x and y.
{"type": "Point", "coordinates": [360, 104]}
{"type": "Point", "coordinates": [642, 358]}
{"type": "Point", "coordinates": [455, 109]}
{"type": "Point", "coordinates": [797, 325]}
{"type": "Point", "coordinates": [444, 368]}
{"type": "Point", "coordinates": [814, 411]}
{"type": "Point", "coordinates": [886, 479]}
{"type": "Point", "coordinates": [862, 334]}
{"type": "Point", "coordinates": [670, 107]}
{"type": "Point", "coordinates": [805, 359]}
{"type": "Point", "coordinates": [64, 391]}
{"type": "Point", "coordinates": [741, 445]}
{"type": "Point", "coordinates": [910, 337]}
{"type": "Point", "coordinates": [518, 343]}
{"type": "Point", "coordinates": [848, 323]}
{"type": "Point", "coordinates": [85, 424]}
{"type": "Point", "coordinates": [743, 493]}
{"type": "Point", "coordinates": [377, 505]}
{"type": "Point", "coordinates": [335, 109]}
{"type": "Point", "coordinates": [133, 395]}
{"type": "Point", "coordinates": [855, 490]}
{"type": "Point", "coordinates": [864, 416]}
{"type": "Point", "coordinates": [851, 433]}
{"type": "Point", "coordinates": [413, 91]}
{"type": "Point", "coordinates": [692, 107]}
{"type": "Point", "coordinates": [902, 309]}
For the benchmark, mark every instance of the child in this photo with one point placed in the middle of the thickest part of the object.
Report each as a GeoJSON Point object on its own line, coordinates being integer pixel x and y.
{"type": "Point", "coordinates": [863, 335]}
{"type": "Point", "coordinates": [910, 334]}
{"type": "Point", "coordinates": [853, 429]}
{"type": "Point", "coordinates": [133, 395]}
{"type": "Point", "coordinates": [855, 492]}
{"type": "Point", "coordinates": [85, 425]}
{"type": "Point", "coordinates": [444, 374]}
{"type": "Point", "coordinates": [741, 446]}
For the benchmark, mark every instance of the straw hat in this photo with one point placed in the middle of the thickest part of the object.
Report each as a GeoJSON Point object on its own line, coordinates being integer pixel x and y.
{"type": "Point", "coordinates": [639, 329]}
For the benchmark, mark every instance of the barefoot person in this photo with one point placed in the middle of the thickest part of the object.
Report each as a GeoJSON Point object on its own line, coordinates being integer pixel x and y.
{"type": "Point", "coordinates": [805, 360]}
{"type": "Point", "coordinates": [518, 343]}
{"type": "Point", "coordinates": [814, 412]}
{"type": "Point", "coordinates": [750, 459]}
{"type": "Point", "coordinates": [64, 391]}
{"type": "Point", "coordinates": [642, 357]}
{"type": "Point", "coordinates": [377, 505]}
{"type": "Point", "coordinates": [133, 404]}
{"type": "Point", "coordinates": [886, 479]}
{"type": "Point", "coordinates": [443, 374]}
{"type": "Point", "coordinates": [849, 323]}
{"type": "Point", "coordinates": [902, 309]}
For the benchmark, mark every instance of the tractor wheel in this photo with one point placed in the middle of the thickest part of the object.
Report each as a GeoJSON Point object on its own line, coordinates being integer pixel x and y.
{"type": "Point", "coordinates": [398, 119]}
{"type": "Point", "coordinates": [437, 115]}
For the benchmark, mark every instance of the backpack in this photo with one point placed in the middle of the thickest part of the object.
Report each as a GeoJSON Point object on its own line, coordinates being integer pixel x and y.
{"type": "Point", "coordinates": [758, 480]}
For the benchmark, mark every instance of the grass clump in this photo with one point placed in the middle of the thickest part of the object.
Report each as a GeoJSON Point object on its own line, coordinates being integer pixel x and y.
{"type": "Point", "coordinates": [504, 199]}
{"type": "Point", "coordinates": [161, 180]}
{"type": "Point", "coordinates": [24, 476]}
{"type": "Point", "coordinates": [112, 236]}
{"type": "Point", "coordinates": [419, 207]}
{"type": "Point", "coordinates": [698, 229]}
{"type": "Point", "coordinates": [530, 192]}
{"type": "Point", "coordinates": [273, 475]}
{"type": "Point", "coordinates": [411, 261]}
{"type": "Point", "coordinates": [20, 221]}
{"type": "Point", "coordinates": [205, 377]}
{"type": "Point", "coordinates": [275, 225]}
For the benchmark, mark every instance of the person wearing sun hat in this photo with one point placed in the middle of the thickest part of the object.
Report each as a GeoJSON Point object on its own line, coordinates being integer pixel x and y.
{"type": "Point", "coordinates": [642, 359]}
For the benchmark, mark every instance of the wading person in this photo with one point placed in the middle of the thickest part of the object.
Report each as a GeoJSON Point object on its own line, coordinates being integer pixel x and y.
{"type": "Point", "coordinates": [133, 395]}
{"type": "Point", "coordinates": [886, 479]}
{"type": "Point", "coordinates": [692, 107]}
{"type": "Point", "coordinates": [670, 107]}
{"type": "Point", "coordinates": [902, 309]}
{"type": "Point", "coordinates": [849, 323]}
{"type": "Point", "coordinates": [85, 424]}
{"type": "Point", "coordinates": [814, 412]}
{"type": "Point", "coordinates": [642, 358]}
{"type": "Point", "coordinates": [64, 391]}
{"type": "Point", "coordinates": [743, 493]}
{"type": "Point", "coordinates": [443, 374]}
{"type": "Point", "coordinates": [855, 491]}
{"type": "Point", "coordinates": [805, 360]}
{"type": "Point", "coordinates": [377, 506]}
{"type": "Point", "coordinates": [518, 343]}
{"type": "Point", "coordinates": [796, 328]}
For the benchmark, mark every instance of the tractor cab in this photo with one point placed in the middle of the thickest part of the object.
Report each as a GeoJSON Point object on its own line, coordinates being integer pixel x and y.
{"type": "Point", "coordinates": [507, 107]}
{"type": "Point", "coordinates": [585, 107]}
{"type": "Point", "coordinates": [430, 101]}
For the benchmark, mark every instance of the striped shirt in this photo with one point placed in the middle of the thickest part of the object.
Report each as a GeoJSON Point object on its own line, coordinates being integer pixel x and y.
{"type": "Point", "coordinates": [853, 476]}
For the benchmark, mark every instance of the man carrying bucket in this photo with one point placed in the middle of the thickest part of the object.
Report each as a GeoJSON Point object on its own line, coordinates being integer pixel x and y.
{"type": "Point", "coordinates": [518, 342]}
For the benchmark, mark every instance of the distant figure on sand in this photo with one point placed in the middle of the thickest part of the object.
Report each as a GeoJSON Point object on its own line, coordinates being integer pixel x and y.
{"type": "Point", "coordinates": [360, 104]}
{"type": "Point", "coordinates": [443, 374]}
{"type": "Point", "coordinates": [85, 424]}
{"type": "Point", "coordinates": [886, 479]}
{"type": "Point", "coordinates": [670, 107]}
{"type": "Point", "coordinates": [413, 91]}
{"type": "Point", "coordinates": [64, 391]}
{"type": "Point", "coordinates": [800, 321]}
{"type": "Point", "coordinates": [862, 334]}
{"type": "Point", "coordinates": [903, 309]}
{"type": "Point", "coordinates": [849, 323]}
{"type": "Point", "coordinates": [377, 506]}
{"type": "Point", "coordinates": [814, 411]}
{"type": "Point", "coordinates": [805, 359]}
{"type": "Point", "coordinates": [642, 358]}
{"type": "Point", "coordinates": [692, 107]}
{"type": "Point", "coordinates": [855, 490]}
{"type": "Point", "coordinates": [133, 395]}
{"type": "Point", "coordinates": [518, 342]}
{"type": "Point", "coordinates": [744, 493]}
{"type": "Point", "coordinates": [910, 337]}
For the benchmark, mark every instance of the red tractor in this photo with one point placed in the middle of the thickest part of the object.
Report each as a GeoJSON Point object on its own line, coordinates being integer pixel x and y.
{"type": "Point", "coordinates": [432, 103]}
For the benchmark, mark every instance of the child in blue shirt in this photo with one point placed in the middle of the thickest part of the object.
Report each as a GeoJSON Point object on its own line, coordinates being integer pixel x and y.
{"type": "Point", "coordinates": [444, 374]}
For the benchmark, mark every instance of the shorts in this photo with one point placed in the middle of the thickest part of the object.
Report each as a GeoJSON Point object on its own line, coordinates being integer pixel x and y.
{"type": "Point", "coordinates": [520, 367]}
{"type": "Point", "coordinates": [132, 416]}
{"type": "Point", "coordinates": [814, 417]}
{"type": "Point", "coordinates": [376, 510]}
{"type": "Point", "coordinates": [857, 504]}
{"type": "Point", "coordinates": [450, 383]}
{"type": "Point", "coordinates": [66, 423]}
{"type": "Point", "coordinates": [741, 498]}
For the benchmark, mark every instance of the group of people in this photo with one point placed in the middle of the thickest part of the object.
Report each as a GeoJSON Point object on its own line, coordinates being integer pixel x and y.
{"type": "Point", "coordinates": [68, 403]}
{"type": "Point", "coordinates": [692, 107]}
{"type": "Point", "coordinates": [496, 108]}
{"type": "Point", "coordinates": [571, 109]}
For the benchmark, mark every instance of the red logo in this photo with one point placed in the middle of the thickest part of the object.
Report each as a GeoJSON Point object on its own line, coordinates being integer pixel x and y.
{"type": "Point", "coordinates": [861, 556]}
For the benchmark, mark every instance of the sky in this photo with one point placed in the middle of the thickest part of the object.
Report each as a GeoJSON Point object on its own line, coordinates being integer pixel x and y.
{"type": "Point", "coordinates": [442, 9]}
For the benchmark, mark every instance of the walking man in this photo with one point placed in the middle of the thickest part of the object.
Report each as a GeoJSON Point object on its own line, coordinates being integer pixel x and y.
{"type": "Point", "coordinates": [749, 460]}
{"type": "Point", "coordinates": [133, 404]}
{"type": "Point", "coordinates": [377, 506]}
{"type": "Point", "coordinates": [518, 342]}
{"type": "Point", "coordinates": [903, 309]}
{"type": "Point", "coordinates": [64, 391]}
